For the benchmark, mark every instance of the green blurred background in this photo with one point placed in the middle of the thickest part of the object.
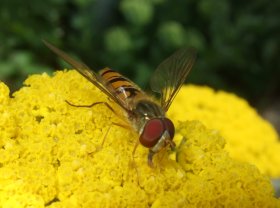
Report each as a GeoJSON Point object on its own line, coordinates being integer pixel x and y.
{"type": "Point", "coordinates": [238, 42]}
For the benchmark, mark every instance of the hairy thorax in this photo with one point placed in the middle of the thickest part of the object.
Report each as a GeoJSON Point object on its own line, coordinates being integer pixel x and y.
{"type": "Point", "coordinates": [144, 110]}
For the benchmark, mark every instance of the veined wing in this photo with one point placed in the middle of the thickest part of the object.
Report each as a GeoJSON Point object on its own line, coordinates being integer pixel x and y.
{"type": "Point", "coordinates": [171, 74]}
{"type": "Point", "coordinates": [90, 75]}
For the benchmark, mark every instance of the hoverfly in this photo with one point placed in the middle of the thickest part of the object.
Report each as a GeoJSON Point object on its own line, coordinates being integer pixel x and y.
{"type": "Point", "coordinates": [145, 115]}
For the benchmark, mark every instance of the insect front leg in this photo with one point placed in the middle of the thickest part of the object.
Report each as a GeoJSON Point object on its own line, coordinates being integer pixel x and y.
{"type": "Point", "coordinates": [178, 149]}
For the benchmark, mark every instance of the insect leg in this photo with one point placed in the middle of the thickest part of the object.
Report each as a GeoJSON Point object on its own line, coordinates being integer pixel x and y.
{"type": "Point", "coordinates": [99, 148]}
{"type": "Point", "coordinates": [172, 145]}
{"type": "Point", "coordinates": [164, 152]}
{"type": "Point", "coordinates": [93, 104]}
{"type": "Point", "coordinates": [132, 164]}
{"type": "Point", "coordinates": [134, 149]}
{"type": "Point", "coordinates": [107, 132]}
{"type": "Point", "coordinates": [150, 159]}
{"type": "Point", "coordinates": [151, 153]}
{"type": "Point", "coordinates": [178, 149]}
{"type": "Point", "coordinates": [105, 136]}
{"type": "Point", "coordinates": [122, 125]}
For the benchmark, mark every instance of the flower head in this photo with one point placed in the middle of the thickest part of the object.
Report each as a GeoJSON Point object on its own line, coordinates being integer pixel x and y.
{"type": "Point", "coordinates": [249, 137]}
{"type": "Point", "coordinates": [52, 156]}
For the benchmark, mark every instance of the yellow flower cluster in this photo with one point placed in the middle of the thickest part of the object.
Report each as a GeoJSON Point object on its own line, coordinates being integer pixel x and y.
{"type": "Point", "coordinates": [249, 137]}
{"type": "Point", "coordinates": [51, 156]}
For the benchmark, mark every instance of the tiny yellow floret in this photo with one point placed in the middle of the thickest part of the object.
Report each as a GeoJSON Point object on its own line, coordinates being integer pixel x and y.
{"type": "Point", "coordinates": [52, 156]}
{"type": "Point", "coordinates": [249, 137]}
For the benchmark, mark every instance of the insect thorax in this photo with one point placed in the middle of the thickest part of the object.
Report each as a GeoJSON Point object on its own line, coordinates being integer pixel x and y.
{"type": "Point", "coordinates": [145, 110]}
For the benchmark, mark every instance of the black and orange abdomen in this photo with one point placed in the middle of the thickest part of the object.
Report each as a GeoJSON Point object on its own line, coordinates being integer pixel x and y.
{"type": "Point", "coordinates": [122, 87]}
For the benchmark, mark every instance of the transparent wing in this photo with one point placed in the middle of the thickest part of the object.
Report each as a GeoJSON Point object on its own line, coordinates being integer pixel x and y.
{"type": "Point", "coordinates": [90, 75]}
{"type": "Point", "coordinates": [171, 74]}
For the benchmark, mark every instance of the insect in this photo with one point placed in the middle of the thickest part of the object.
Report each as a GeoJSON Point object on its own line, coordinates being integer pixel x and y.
{"type": "Point", "coordinates": [144, 114]}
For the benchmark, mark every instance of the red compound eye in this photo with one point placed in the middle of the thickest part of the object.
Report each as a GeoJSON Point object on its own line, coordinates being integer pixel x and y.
{"type": "Point", "coordinates": [170, 127]}
{"type": "Point", "coordinates": [154, 129]}
{"type": "Point", "coordinates": [152, 132]}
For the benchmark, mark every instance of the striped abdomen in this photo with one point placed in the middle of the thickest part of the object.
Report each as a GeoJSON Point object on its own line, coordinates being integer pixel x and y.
{"type": "Point", "coordinates": [122, 87]}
